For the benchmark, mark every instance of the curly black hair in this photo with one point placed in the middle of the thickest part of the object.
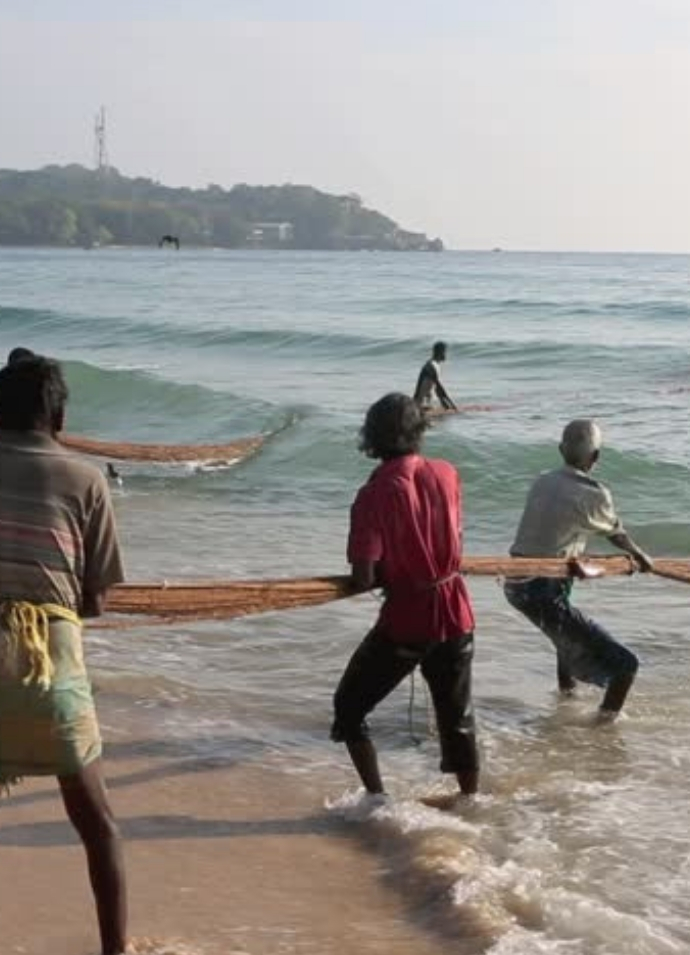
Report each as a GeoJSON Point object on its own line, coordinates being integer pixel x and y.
{"type": "Point", "coordinates": [393, 426]}
{"type": "Point", "coordinates": [19, 354]}
{"type": "Point", "coordinates": [33, 394]}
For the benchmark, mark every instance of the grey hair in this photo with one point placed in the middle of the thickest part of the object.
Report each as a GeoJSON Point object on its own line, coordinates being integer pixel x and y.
{"type": "Point", "coordinates": [581, 439]}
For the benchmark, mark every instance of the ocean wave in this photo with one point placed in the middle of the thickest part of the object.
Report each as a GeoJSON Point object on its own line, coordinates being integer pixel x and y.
{"type": "Point", "coordinates": [522, 306]}
{"type": "Point", "coordinates": [47, 330]}
{"type": "Point", "coordinates": [114, 403]}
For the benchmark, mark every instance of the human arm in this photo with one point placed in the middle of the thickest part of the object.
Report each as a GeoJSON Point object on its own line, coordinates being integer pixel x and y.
{"type": "Point", "coordinates": [93, 604]}
{"type": "Point", "coordinates": [365, 543]}
{"type": "Point", "coordinates": [603, 519]}
{"type": "Point", "coordinates": [623, 541]}
{"type": "Point", "coordinates": [364, 576]}
{"type": "Point", "coordinates": [443, 396]}
{"type": "Point", "coordinates": [102, 558]}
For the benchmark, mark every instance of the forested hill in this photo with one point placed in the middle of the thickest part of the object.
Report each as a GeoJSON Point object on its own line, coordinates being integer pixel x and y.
{"type": "Point", "coordinates": [75, 206]}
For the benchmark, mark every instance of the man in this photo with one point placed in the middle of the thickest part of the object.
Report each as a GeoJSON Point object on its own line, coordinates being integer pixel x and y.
{"type": "Point", "coordinates": [405, 536]}
{"type": "Point", "coordinates": [58, 556]}
{"type": "Point", "coordinates": [429, 381]}
{"type": "Point", "coordinates": [564, 508]}
{"type": "Point", "coordinates": [113, 474]}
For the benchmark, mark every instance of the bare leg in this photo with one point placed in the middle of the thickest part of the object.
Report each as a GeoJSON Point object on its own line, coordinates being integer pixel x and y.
{"type": "Point", "coordinates": [86, 803]}
{"type": "Point", "coordinates": [363, 755]}
{"type": "Point", "coordinates": [615, 695]}
{"type": "Point", "coordinates": [375, 669]}
{"type": "Point", "coordinates": [447, 668]}
{"type": "Point", "coordinates": [468, 782]}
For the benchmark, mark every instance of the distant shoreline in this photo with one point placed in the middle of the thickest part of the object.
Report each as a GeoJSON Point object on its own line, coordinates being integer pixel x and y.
{"type": "Point", "coordinates": [39, 246]}
{"type": "Point", "coordinates": [219, 248]}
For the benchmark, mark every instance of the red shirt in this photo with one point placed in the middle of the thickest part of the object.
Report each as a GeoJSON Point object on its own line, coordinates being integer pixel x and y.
{"type": "Point", "coordinates": [408, 519]}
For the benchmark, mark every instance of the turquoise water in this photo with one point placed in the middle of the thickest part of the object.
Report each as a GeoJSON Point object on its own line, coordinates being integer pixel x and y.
{"type": "Point", "coordinates": [579, 843]}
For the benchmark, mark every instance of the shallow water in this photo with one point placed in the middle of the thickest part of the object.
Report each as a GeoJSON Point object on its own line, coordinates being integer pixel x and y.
{"type": "Point", "coordinates": [578, 843]}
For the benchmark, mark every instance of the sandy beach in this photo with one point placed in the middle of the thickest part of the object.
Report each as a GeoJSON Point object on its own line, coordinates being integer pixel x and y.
{"type": "Point", "coordinates": [211, 871]}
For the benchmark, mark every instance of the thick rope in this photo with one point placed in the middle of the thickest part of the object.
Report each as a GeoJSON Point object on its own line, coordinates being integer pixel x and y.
{"type": "Point", "coordinates": [27, 632]}
{"type": "Point", "coordinates": [430, 722]}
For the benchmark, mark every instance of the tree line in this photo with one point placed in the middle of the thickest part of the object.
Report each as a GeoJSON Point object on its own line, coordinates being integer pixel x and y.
{"type": "Point", "coordinates": [75, 206]}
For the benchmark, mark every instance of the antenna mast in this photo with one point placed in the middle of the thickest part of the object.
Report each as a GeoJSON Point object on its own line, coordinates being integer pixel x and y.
{"type": "Point", "coordinates": [100, 145]}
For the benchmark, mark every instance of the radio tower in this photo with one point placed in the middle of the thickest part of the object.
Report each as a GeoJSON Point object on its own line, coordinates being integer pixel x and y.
{"type": "Point", "coordinates": [100, 146]}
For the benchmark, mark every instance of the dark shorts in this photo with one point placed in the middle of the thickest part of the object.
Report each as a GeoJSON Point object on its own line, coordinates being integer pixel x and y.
{"type": "Point", "coordinates": [379, 665]}
{"type": "Point", "coordinates": [586, 651]}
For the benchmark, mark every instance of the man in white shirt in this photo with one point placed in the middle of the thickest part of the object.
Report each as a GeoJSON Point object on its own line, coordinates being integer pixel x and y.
{"type": "Point", "coordinates": [429, 381]}
{"type": "Point", "coordinates": [564, 508]}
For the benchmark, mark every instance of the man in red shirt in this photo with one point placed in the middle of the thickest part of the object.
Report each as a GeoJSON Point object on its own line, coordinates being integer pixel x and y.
{"type": "Point", "coordinates": [405, 536]}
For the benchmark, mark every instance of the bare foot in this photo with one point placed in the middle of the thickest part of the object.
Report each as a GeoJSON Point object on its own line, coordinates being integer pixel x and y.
{"type": "Point", "coordinates": [155, 946]}
{"type": "Point", "coordinates": [605, 717]}
{"type": "Point", "coordinates": [445, 802]}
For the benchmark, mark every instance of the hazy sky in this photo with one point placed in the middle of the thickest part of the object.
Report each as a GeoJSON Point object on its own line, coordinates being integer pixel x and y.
{"type": "Point", "coordinates": [543, 124]}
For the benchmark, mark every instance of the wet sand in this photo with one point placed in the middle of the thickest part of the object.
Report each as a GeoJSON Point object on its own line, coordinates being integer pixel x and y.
{"type": "Point", "coordinates": [222, 858]}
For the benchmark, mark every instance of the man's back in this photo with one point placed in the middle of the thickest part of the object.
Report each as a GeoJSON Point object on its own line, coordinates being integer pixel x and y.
{"type": "Point", "coordinates": [564, 507]}
{"type": "Point", "coordinates": [407, 520]}
{"type": "Point", "coordinates": [57, 534]}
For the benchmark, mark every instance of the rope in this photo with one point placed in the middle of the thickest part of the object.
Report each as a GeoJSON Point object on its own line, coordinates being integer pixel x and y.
{"type": "Point", "coordinates": [430, 722]}
{"type": "Point", "coordinates": [417, 740]}
{"type": "Point", "coordinates": [27, 628]}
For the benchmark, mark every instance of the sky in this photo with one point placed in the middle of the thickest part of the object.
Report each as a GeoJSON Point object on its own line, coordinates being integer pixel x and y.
{"type": "Point", "coordinates": [523, 124]}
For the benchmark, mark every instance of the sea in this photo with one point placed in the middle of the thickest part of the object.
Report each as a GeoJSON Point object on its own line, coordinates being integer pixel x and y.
{"type": "Point", "coordinates": [578, 843]}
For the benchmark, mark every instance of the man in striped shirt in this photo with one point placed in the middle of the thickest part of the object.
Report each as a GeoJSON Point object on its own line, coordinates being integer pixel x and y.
{"type": "Point", "coordinates": [59, 554]}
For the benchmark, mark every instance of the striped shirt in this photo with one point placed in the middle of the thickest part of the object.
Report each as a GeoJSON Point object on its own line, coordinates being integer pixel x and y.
{"type": "Point", "coordinates": [57, 528]}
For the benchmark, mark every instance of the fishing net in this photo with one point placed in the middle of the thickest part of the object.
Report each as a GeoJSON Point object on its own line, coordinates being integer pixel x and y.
{"type": "Point", "coordinates": [220, 600]}
{"type": "Point", "coordinates": [225, 599]}
{"type": "Point", "coordinates": [127, 451]}
{"type": "Point", "coordinates": [461, 409]}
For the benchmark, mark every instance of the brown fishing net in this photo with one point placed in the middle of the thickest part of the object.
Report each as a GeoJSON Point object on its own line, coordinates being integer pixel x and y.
{"type": "Point", "coordinates": [224, 599]}
{"type": "Point", "coordinates": [461, 409]}
{"type": "Point", "coordinates": [220, 600]}
{"type": "Point", "coordinates": [127, 451]}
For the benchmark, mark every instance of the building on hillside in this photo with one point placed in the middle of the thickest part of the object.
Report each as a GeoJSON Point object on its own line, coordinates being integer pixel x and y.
{"type": "Point", "coordinates": [270, 234]}
{"type": "Point", "coordinates": [406, 241]}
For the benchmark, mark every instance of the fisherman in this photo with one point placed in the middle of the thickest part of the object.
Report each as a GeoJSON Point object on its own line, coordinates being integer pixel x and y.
{"type": "Point", "coordinates": [406, 536]}
{"type": "Point", "coordinates": [19, 354]}
{"type": "Point", "coordinates": [113, 474]}
{"type": "Point", "coordinates": [429, 381]}
{"type": "Point", "coordinates": [564, 508]}
{"type": "Point", "coordinates": [59, 555]}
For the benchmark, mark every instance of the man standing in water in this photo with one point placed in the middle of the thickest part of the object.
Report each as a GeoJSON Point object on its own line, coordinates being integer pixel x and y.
{"type": "Point", "coordinates": [429, 381]}
{"type": "Point", "coordinates": [58, 556]}
{"type": "Point", "coordinates": [405, 536]}
{"type": "Point", "coordinates": [564, 508]}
